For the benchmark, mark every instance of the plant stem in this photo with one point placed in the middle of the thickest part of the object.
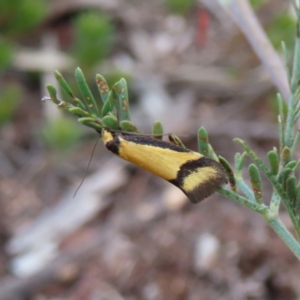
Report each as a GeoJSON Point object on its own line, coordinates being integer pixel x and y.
{"type": "Point", "coordinates": [273, 220]}
{"type": "Point", "coordinates": [258, 207]}
{"type": "Point", "coordinates": [273, 181]}
{"type": "Point", "coordinates": [289, 127]}
{"type": "Point", "coordinates": [246, 190]}
{"type": "Point", "coordinates": [275, 203]}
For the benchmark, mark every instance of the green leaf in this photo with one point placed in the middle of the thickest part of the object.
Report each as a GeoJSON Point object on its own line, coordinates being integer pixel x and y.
{"type": "Point", "coordinates": [229, 172]}
{"type": "Point", "coordinates": [63, 84]}
{"type": "Point", "coordinates": [128, 126]}
{"type": "Point", "coordinates": [239, 161]}
{"type": "Point", "coordinates": [283, 176]}
{"type": "Point", "coordinates": [122, 103]}
{"type": "Point", "coordinates": [102, 87]}
{"type": "Point", "coordinates": [79, 112]}
{"type": "Point", "coordinates": [176, 140]}
{"type": "Point", "coordinates": [86, 93]}
{"type": "Point", "coordinates": [281, 120]}
{"type": "Point", "coordinates": [292, 164]}
{"type": "Point", "coordinates": [286, 155]}
{"type": "Point", "coordinates": [109, 105]}
{"type": "Point", "coordinates": [255, 181]}
{"type": "Point", "coordinates": [111, 122]}
{"type": "Point", "coordinates": [67, 89]}
{"type": "Point", "coordinates": [91, 122]}
{"type": "Point", "coordinates": [53, 94]}
{"type": "Point", "coordinates": [295, 169]}
{"type": "Point", "coordinates": [93, 125]}
{"type": "Point", "coordinates": [291, 186]}
{"type": "Point", "coordinates": [203, 142]}
{"type": "Point", "coordinates": [157, 130]}
{"type": "Point", "coordinates": [273, 161]}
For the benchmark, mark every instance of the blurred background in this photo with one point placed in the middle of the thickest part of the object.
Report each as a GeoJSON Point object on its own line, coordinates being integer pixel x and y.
{"type": "Point", "coordinates": [128, 234]}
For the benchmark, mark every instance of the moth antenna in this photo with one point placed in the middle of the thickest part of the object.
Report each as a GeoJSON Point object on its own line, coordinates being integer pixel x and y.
{"type": "Point", "coordinates": [143, 134]}
{"type": "Point", "coordinates": [87, 168]}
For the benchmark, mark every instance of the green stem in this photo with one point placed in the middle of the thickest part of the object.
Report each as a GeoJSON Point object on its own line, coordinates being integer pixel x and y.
{"type": "Point", "coordinates": [295, 143]}
{"type": "Point", "coordinates": [273, 220]}
{"type": "Point", "coordinates": [258, 207]}
{"type": "Point", "coordinates": [275, 203]}
{"type": "Point", "coordinates": [281, 119]}
{"type": "Point", "coordinates": [273, 181]}
{"type": "Point", "coordinates": [289, 128]}
{"type": "Point", "coordinates": [246, 190]}
{"type": "Point", "coordinates": [270, 217]}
